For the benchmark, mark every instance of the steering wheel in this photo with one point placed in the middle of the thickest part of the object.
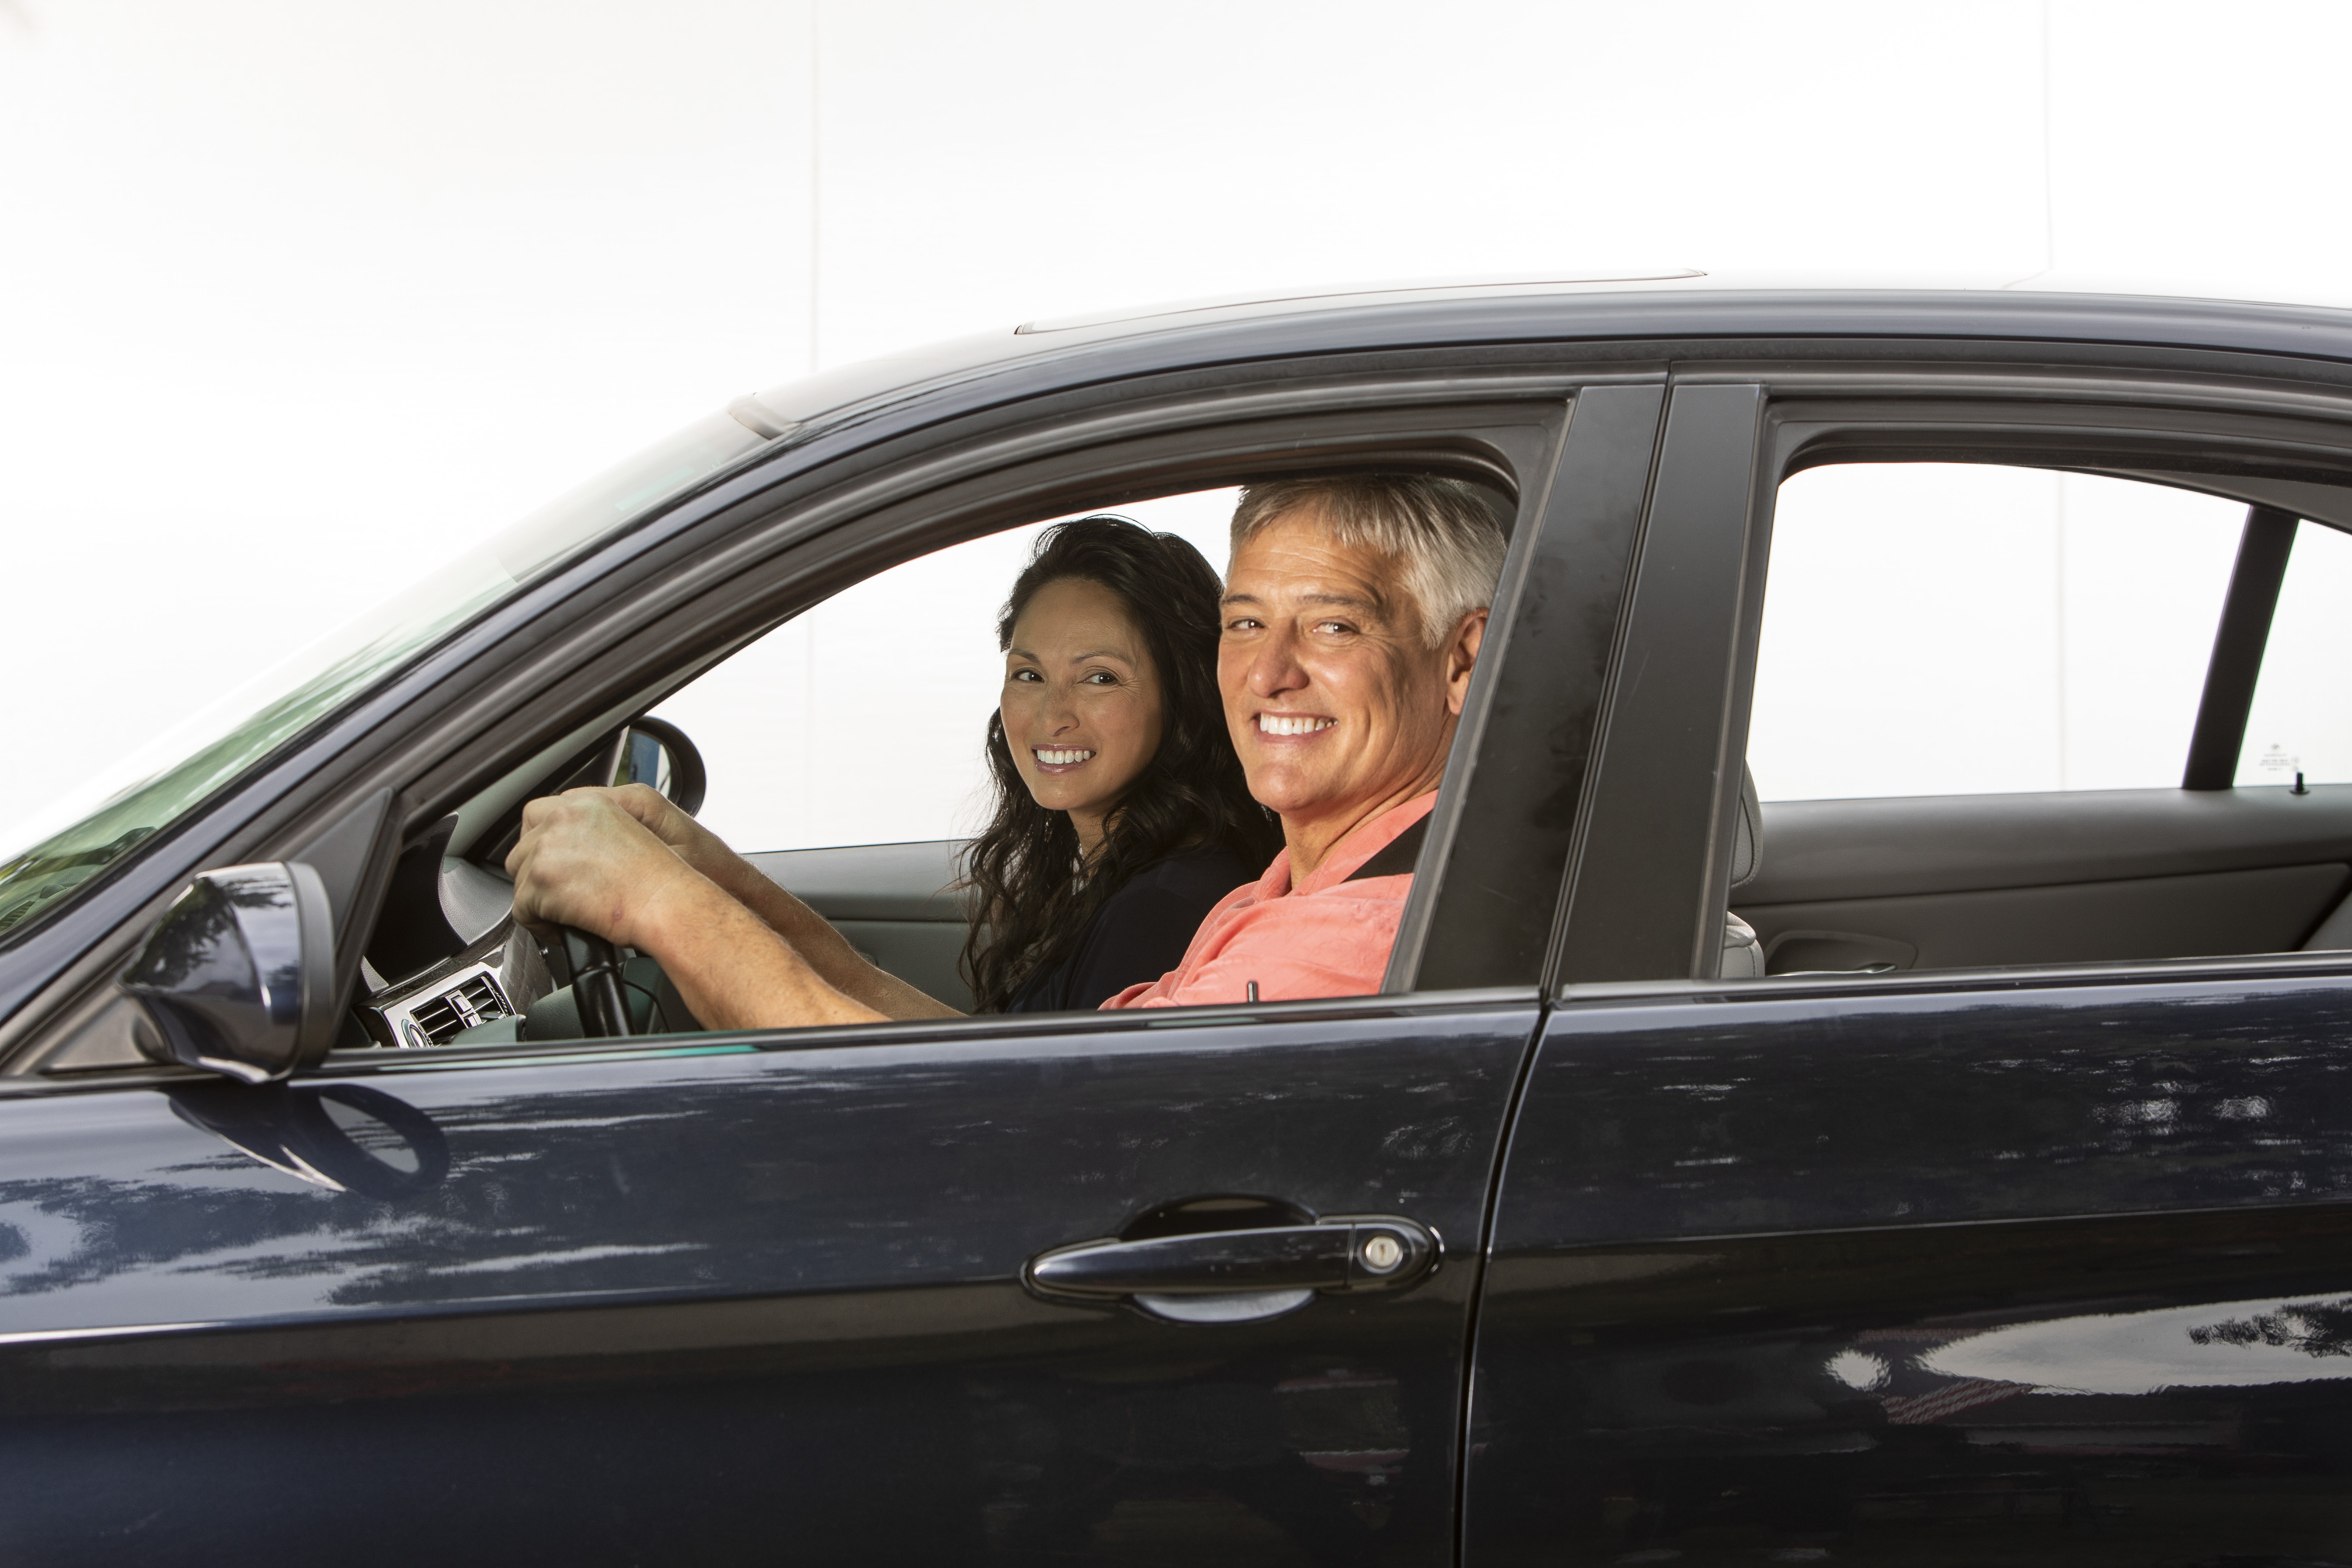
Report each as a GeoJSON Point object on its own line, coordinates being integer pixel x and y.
{"type": "Point", "coordinates": [592, 967]}
{"type": "Point", "coordinates": [588, 964]}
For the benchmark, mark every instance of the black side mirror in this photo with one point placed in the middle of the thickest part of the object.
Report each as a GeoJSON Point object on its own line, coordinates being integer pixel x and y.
{"type": "Point", "coordinates": [238, 977]}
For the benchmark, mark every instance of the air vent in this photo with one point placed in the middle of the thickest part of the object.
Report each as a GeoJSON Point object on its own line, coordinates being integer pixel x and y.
{"type": "Point", "coordinates": [439, 1015]}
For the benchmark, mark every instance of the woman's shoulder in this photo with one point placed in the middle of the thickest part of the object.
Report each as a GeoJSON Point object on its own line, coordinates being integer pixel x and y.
{"type": "Point", "coordinates": [1204, 872]}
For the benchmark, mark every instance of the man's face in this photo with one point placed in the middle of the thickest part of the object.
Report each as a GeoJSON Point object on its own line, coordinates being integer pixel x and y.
{"type": "Point", "coordinates": [1335, 702]}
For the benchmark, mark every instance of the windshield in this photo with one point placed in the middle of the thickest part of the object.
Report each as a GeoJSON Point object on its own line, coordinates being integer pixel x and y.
{"type": "Point", "coordinates": [81, 837]}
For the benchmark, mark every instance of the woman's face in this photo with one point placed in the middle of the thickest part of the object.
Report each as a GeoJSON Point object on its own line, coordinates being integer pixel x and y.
{"type": "Point", "coordinates": [1081, 704]}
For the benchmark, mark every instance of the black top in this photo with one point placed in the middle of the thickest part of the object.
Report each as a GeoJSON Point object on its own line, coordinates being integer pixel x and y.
{"type": "Point", "coordinates": [1139, 933]}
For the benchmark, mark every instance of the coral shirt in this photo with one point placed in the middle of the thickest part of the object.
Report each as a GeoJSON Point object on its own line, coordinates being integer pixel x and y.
{"type": "Point", "coordinates": [1328, 936]}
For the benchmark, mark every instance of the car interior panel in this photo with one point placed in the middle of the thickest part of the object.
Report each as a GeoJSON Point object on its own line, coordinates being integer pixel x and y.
{"type": "Point", "coordinates": [897, 903]}
{"type": "Point", "coordinates": [1979, 880]}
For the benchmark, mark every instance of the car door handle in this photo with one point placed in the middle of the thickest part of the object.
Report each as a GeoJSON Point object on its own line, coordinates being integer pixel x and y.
{"type": "Point", "coordinates": [1206, 1276]}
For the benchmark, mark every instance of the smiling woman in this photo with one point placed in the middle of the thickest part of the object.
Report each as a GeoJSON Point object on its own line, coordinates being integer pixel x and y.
{"type": "Point", "coordinates": [1121, 815]}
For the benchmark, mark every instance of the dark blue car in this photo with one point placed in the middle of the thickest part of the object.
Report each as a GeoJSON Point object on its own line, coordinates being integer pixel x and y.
{"type": "Point", "coordinates": [1949, 1176]}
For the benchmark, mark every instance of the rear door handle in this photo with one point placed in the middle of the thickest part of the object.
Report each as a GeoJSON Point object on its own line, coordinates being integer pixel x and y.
{"type": "Point", "coordinates": [1233, 1276]}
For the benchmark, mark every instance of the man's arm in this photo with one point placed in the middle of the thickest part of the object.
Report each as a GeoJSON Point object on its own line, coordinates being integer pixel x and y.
{"type": "Point", "coordinates": [810, 935]}
{"type": "Point", "coordinates": [587, 859]}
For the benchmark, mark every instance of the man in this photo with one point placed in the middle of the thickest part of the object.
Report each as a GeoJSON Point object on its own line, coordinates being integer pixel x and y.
{"type": "Point", "coordinates": [1354, 612]}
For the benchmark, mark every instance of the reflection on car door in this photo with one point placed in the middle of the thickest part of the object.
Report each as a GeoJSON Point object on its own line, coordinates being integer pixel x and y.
{"type": "Point", "coordinates": [716, 1301]}
{"type": "Point", "coordinates": [2059, 1272]}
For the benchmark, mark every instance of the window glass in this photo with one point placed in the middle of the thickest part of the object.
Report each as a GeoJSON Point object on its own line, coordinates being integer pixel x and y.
{"type": "Point", "coordinates": [1934, 628]}
{"type": "Point", "coordinates": [138, 796]}
{"type": "Point", "coordinates": [2302, 717]}
{"type": "Point", "coordinates": [862, 721]}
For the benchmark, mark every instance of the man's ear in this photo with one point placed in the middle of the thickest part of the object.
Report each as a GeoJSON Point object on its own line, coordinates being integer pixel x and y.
{"type": "Point", "coordinates": [1462, 657]}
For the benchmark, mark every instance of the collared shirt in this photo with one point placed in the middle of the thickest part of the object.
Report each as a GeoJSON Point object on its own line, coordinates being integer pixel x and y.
{"type": "Point", "coordinates": [1328, 936]}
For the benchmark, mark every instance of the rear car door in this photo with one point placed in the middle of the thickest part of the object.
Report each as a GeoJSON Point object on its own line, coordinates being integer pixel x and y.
{"type": "Point", "coordinates": [718, 1298]}
{"type": "Point", "coordinates": [2042, 1262]}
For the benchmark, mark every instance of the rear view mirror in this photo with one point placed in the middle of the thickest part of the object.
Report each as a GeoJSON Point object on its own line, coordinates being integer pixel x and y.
{"type": "Point", "coordinates": [238, 977]}
{"type": "Point", "coordinates": [644, 751]}
{"type": "Point", "coordinates": [656, 752]}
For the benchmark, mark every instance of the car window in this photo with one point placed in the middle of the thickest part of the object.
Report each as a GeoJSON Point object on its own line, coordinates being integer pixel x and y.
{"type": "Point", "coordinates": [1944, 628]}
{"type": "Point", "coordinates": [2301, 721]}
{"type": "Point", "coordinates": [1976, 691]}
{"type": "Point", "coordinates": [862, 720]}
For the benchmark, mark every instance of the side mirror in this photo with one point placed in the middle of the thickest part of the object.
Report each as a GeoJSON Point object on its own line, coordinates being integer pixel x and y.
{"type": "Point", "coordinates": [238, 977]}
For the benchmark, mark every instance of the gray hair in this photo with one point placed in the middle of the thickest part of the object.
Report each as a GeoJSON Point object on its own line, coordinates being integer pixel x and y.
{"type": "Point", "coordinates": [1439, 532]}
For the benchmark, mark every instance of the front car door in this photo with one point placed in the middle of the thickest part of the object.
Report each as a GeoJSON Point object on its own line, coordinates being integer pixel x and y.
{"type": "Point", "coordinates": [712, 1298]}
{"type": "Point", "coordinates": [1925, 1261]}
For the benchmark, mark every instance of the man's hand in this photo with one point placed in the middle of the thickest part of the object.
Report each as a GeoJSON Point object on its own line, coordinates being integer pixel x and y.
{"type": "Point", "coordinates": [635, 870]}
{"type": "Point", "coordinates": [587, 860]}
{"type": "Point", "coordinates": [693, 843]}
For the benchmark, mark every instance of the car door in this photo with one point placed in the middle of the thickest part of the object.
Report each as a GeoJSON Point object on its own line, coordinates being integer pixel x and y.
{"type": "Point", "coordinates": [2043, 1263]}
{"type": "Point", "coordinates": [720, 1297]}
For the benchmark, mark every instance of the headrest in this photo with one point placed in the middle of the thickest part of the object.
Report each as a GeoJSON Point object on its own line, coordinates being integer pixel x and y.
{"type": "Point", "coordinates": [1747, 833]}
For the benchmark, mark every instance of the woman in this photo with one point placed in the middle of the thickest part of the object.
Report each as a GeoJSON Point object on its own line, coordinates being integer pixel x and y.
{"type": "Point", "coordinates": [1121, 814]}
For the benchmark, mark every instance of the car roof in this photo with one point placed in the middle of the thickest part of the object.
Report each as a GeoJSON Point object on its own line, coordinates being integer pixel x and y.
{"type": "Point", "coordinates": [1049, 355]}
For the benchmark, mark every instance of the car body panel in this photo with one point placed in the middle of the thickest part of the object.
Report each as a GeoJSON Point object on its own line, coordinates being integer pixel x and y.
{"type": "Point", "coordinates": [2055, 1265]}
{"type": "Point", "coordinates": [651, 1304]}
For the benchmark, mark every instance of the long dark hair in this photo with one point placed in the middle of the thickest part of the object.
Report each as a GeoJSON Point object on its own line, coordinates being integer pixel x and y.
{"type": "Point", "coordinates": [1033, 895]}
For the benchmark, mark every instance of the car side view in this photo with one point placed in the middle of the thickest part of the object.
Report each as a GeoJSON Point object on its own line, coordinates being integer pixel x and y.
{"type": "Point", "coordinates": [1726, 1170]}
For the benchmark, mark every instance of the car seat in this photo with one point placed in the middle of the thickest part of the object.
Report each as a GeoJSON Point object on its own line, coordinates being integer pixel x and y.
{"type": "Point", "coordinates": [1743, 955]}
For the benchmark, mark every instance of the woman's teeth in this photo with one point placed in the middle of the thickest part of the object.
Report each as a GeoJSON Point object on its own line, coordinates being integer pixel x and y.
{"type": "Point", "coordinates": [1057, 759]}
{"type": "Point", "coordinates": [1269, 725]}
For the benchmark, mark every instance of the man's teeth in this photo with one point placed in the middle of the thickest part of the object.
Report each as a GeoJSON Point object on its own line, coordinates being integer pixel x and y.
{"type": "Point", "coordinates": [1269, 724]}
{"type": "Point", "coordinates": [1055, 759]}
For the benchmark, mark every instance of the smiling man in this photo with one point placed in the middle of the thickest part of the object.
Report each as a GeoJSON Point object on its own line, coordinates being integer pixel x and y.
{"type": "Point", "coordinates": [1354, 611]}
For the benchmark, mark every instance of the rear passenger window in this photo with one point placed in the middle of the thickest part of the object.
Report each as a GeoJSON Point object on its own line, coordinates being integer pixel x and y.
{"type": "Point", "coordinates": [1975, 692]}
{"type": "Point", "coordinates": [2301, 721]}
{"type": "Point", "coordinates": [1939, 628]}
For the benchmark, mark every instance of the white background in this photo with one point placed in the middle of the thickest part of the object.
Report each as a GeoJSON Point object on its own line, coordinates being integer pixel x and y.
{"type": "Point", "coordinates": [1946, 629]}
{"type": "Point", "coordinates": [297, 297]}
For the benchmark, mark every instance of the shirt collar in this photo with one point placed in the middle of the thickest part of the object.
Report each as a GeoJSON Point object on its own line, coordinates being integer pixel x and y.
{"type": "Point", "coordinates": [1363, 842]}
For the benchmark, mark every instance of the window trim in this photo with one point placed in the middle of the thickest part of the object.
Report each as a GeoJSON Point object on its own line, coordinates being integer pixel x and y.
{"type": "Point", "coordinates": [1656, 822]}
{"type": "Point", "coordinates": [2239, 639]}
{"type": "Point", "coordinates": [1530, 731]}
{"type": "Point", "coordinates": [1811, 418]}
{"type": "Point", "coordinates": [921, 1032]}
